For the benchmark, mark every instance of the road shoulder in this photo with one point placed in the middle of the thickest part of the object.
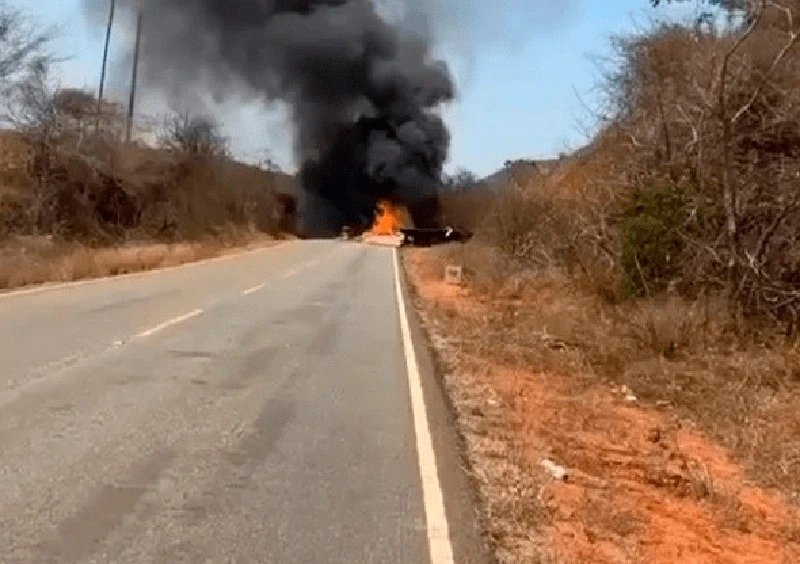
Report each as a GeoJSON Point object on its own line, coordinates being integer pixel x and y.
{"type": "Point", "coordinates": [571, 467]}
{"type": "Point", "coordinates": [127, 262]}
{"type": "Point", "coordinates": [462, 503]}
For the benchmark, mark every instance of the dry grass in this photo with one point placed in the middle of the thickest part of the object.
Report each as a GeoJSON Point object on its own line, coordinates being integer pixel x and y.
{"type": "Point", "coordinates": [31, 261]}
{"type": "Point", "coordinates": [645, 399]}
{"type": "Point", "coordinates": [744, 392]}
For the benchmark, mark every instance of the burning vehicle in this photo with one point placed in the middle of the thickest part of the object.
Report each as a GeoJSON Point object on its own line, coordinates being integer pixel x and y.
{"type": "Point", "coordinates": [393, 225]}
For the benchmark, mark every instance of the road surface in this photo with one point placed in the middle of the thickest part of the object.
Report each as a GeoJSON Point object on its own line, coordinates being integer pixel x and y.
{"type": "Point", "coordinates": [251, 409]}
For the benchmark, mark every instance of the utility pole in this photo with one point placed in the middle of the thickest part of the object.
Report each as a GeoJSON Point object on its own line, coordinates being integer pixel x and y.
{"type": "Point", "coordinates": [133, 79]}
{"type": "Point", "coordinates": [103, 68]}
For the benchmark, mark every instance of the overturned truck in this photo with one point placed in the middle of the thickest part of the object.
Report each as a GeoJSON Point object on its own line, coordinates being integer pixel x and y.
{"type": "Point", "coordinates": [425, 237]}
{"type": "Point", "coordinates": [417, 224]}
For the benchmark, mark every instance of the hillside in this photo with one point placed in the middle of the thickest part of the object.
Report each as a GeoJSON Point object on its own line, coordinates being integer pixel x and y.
{"type": "Point", "coordinates": [60, 199]}
{"type": "Point", "coordinates": [629, 317]}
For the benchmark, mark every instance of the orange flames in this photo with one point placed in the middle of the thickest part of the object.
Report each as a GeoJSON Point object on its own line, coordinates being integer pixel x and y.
{"type": "Point", "coordinates": [389, 218]}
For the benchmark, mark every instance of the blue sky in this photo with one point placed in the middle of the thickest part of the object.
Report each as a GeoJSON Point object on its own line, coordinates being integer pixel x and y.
{"type": "Point", "coordinates": [517, 94]}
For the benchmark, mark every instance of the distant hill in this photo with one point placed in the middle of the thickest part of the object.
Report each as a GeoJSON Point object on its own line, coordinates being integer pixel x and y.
{"type": "Point", "coordinates": [520, 167]}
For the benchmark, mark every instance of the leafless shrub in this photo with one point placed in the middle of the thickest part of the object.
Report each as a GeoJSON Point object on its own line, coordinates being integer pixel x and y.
{"type": "Point", "coordinates": [196, 136]}
{"type": "Point", "coordinates": [692, 183]}
{"type": "Point", "coordinates": [713, 113]}
{"type": "Point", "coordinates": [465, 207]}
{"type": "Point", "coordinates": [23, 46]}
{"type": "Point", "coordinates": [101, 191]}
{"type": "Point", "coordinates": [530, 228]}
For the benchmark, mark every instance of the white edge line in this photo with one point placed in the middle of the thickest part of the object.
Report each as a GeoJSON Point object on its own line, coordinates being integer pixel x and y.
{"type": "Point", "coordinates": [441, 548]}
{"type": "Point", "coordinates": [51, 287]}
{"type": "Point", "coordinates": [253, 290]}
{"type": "Point", "coordinates": [169, 323]}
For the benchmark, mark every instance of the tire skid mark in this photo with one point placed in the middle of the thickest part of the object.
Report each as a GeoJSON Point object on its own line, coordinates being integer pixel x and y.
{"type": "Point", "coordinates": [78, 536]}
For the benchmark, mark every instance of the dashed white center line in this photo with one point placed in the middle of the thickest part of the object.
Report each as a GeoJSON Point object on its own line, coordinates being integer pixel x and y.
{"type": "Point", "coordinates": [169, 323]}
{"type": "Point", "coordinates": [310, 264]}
{"type": "Point", "coordinates": [253, 290]}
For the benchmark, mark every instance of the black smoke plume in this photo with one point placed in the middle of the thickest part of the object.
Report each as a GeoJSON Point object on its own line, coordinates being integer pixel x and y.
{"type": "Point", "coordinates": [363, 92]}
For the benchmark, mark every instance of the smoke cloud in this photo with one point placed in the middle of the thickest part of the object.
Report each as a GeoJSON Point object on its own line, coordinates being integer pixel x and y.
{"type": "Point", "coordinates": [362, 88]}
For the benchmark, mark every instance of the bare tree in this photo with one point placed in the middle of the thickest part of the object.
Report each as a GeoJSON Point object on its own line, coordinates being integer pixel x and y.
{"type": "Point", "coordinates": [268, 163]}
{"type": "Point", "coordinates": [25, 84]}
{"type": "Point", "coordinates": [713, 114]}
{"type": "Point", "coordinates": [31, 109]}
{"type": "Point", "coordinates": [23, 46]}
{"type": "Point", "coordinates": [461, 179]}
{"type": "Point", "coordinates": [74, 108]}
{"type": "Point", "coordinates": [52, 121]}
{"type": "Point", "coordinates": [195, 136]}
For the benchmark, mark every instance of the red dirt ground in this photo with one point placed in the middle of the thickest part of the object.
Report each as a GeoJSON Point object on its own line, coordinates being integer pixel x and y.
{"type": "Point", "coordinates": [641, 486]}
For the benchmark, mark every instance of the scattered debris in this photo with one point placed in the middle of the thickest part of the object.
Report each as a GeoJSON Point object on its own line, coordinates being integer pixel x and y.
{"type": "Point", "coordinates": [453, 275]}
{"type": "Point", "coordinates": [383, 240]}
{"type": "Point", "coordinates": [556, 471]}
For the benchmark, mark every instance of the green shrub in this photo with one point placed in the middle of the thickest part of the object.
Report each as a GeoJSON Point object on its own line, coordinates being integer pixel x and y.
{"type": "Point", "coordinates": [651, 240]}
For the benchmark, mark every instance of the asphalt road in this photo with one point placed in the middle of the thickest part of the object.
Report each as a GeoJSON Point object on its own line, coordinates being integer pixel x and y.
{"type": "Point", "coordinates": [250, 409]}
